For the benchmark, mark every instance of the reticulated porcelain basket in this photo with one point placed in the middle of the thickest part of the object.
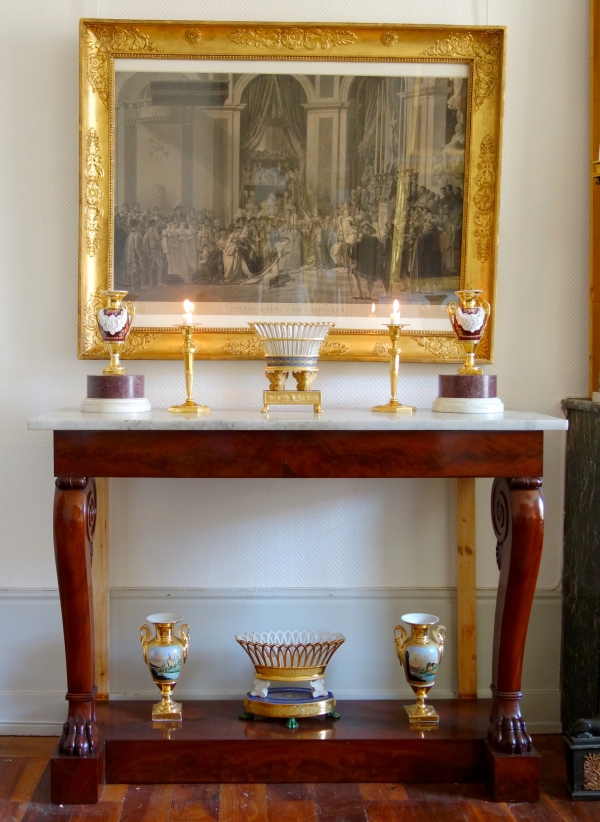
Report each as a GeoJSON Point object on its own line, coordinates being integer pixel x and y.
{"type": "Point", "coordinates": [290, 655]}
{"type": "Point", "coordinates": [293, 345]}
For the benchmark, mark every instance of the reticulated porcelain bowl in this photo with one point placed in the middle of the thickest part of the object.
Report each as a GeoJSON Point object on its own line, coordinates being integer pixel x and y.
{"type": "Point", "coordinates": [290, 655]}
{"type": "Point", "coordinates": [292, 345]}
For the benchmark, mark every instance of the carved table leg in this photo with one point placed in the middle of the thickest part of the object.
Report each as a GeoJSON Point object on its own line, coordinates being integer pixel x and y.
{"type": "Point", "coordinates": [74, 523]}
{"type": "Point", "coordinates": [518, 518]}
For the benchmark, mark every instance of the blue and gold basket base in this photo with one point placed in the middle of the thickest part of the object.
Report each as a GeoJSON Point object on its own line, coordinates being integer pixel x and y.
{"type": "Point", "coordinates": [289, 703]}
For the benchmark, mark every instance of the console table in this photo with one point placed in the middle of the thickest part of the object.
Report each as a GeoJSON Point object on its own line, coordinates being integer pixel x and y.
{"type": "Point", "coordinates": [480, 740]}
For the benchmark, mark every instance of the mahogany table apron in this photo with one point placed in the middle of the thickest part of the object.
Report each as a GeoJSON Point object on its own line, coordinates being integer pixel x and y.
{"type": "Point", "coordinates": [506, 760]}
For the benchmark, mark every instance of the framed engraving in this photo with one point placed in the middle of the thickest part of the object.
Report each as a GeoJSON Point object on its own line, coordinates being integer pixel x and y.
{"type": "Point", "coordinates": [288, 171]}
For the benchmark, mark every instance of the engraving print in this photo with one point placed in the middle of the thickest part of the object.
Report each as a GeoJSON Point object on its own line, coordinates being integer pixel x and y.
{"type": "Point", "coordinates": [289, 193]}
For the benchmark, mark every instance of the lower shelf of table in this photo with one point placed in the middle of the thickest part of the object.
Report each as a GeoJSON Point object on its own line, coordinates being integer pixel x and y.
{"type": "Point", "coordinates": [371, 742]}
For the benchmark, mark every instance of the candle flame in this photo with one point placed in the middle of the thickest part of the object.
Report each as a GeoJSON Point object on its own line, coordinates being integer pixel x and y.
{"type": "Point", "coordinates": [373, 308]}
{"type": "Point", "coordinates": [396, 307]}
{"type": "Point", "coordinates": [188, 307]}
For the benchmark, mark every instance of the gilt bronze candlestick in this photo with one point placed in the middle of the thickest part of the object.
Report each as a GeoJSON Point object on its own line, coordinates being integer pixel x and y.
{"type": "Point", "coordinates": [188, 350]}
{"type": "Point", "coordinates": [393, 406]}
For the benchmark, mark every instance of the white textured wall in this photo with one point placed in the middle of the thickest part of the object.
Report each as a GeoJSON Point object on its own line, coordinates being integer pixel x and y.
{"type": "Point", "coordinates": [292, 533]}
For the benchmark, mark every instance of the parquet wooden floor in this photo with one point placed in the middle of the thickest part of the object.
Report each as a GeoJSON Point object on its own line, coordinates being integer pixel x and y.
{"type": "Point", "coordinates": [25, 797]}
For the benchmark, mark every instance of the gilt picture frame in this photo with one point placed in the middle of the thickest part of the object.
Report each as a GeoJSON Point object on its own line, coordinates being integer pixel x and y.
{"type": "Point", "coordinates": [291, 171]}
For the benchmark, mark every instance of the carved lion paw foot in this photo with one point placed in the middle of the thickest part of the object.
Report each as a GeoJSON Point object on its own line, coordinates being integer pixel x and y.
{"type": "Point", "coordinates": [509, 735]}
{"type": "Point", "coordinates": [78, 738]}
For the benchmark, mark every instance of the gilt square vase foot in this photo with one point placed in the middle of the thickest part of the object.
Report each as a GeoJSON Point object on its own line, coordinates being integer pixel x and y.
{"type": "Point", "coordinates": [512, 777]}
{"type": "Point", "coordinates": [430, 719]}
{"type": "Point", "coordinates": [77, 780]}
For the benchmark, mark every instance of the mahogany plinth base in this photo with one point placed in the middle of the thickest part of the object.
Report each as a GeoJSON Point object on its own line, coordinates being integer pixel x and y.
{"type": "Point", "coordinates": [77, 780]}
{"type": "Point", "coordinates": [513, 777]}
{"type": "Point", "coordinates": [372, 742]}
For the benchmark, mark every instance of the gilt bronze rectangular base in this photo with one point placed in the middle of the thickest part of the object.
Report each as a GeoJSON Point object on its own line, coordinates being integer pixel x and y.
{"type": "Point", "coordinates": [292, 398]}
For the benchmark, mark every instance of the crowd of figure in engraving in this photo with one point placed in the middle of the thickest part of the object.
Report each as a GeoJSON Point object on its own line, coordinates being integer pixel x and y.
{"type": "Point", "coordinates": [266, 242]}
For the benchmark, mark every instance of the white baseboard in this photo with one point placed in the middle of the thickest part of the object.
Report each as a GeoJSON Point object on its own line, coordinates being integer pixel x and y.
{"type": "Point", "coordinates": [365, 667]}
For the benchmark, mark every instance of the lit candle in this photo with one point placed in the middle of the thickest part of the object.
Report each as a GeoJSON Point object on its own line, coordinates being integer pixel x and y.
{"type": "Point", "coordinates": [395, 315]}
{"type": "Point", "coordinates": [373, 312]}
{"type": "Point", "coordinates": [188, 308]}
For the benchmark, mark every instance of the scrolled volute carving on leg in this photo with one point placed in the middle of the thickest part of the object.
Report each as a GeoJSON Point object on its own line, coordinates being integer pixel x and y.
{"type": "Point", "coordinates": [91, 512]}
{"type": "Point", "coordinates": [500, 516]}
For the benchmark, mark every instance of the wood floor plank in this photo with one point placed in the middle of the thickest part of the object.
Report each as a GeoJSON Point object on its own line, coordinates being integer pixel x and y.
{"type": "Point", "coordinates": [242, 803]}
{"type": "Point", "coordinates": [482, 810]}
{"type": "Point", "coordinates": [568, 811]}
{"type": "Point", "coordinates": [147, 803]}
{"type": "Point", "coordinates": [543, 811]}
{"type": "Point", "coordinates": [382, 811]}
{"type": "Point", "coordinates": [555, 740]}
{"type": "Point", "coordinates": [292, 810]}
{"type": "Point", "coordinates": [195, 803]}
{"type": "Point", "coordinates": [113, 793]}
{"type": "Point", "coordinates": [195, 811]}
{"type": "Point", "coordinates": [339, 802]}
{"type": "Point", "coordinates": [16, 746]}
{"type": "Point", "coordinates": [29, 778]}
{"type": "Point", "coordinates": [47, 813]}
{"type": "Point", "coordinates": [382, 792]}
{"type": "Point", "coordinates": [195, 793]}
{"type": "Point", "coordinates": [102, 812]}
{"type": "Point", "coordinates": [10, 772]}
{"type": "Point", "coordinates": [12, 811]}
{"type": "Point", "coordinates": [554, 769]}
{"type": "Point", "coordinates": [289, 792]}
{"type": "Point", "coordinates": [445, 809]}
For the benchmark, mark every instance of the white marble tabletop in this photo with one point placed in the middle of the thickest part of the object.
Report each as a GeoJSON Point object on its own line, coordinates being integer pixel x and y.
{"type": "Point", "coordinates": [332, 419]}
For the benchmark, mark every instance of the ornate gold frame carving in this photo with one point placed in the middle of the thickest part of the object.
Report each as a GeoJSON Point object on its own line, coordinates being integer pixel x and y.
{"type": "Point", "coordinates": [293, 38]}
{"type": "Point", "coordinates": [484, 48]}
{"type": "Point", "coordinates": [481, 49]}
{"type": "Point", "coordinates": [484, 197]}
{"type": "Point", "coordinates": [93, 192]}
